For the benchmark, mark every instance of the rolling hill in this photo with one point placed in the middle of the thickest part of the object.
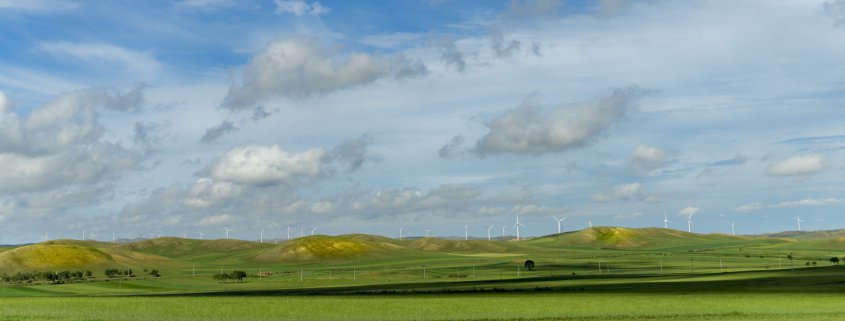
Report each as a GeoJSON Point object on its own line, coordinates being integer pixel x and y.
{"type": "Point", "coordinates": [323, 247]}
{"type": "Point", "coordinates": [643, 238]}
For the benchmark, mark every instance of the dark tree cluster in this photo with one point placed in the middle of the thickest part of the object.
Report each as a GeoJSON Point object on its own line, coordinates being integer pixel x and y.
{"type": "Point", "coordinates": [834, 260]}
{"type": "Point", "coordinates": [226, 277]}
{"type": "Point", "coordinates": [56, 277]}
{"type": "Point", "coordinates": [112, 273]}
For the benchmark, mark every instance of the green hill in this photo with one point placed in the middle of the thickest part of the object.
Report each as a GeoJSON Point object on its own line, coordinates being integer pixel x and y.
{"type": "Point", "coordinates": [644, 238]}
{"type": "Point", "coordinates": [322, 247]}
{"type": "Point", "coordinates": [455, 246]}
{"type": "Point", "coordinates": [53, 256]}
{"type": "Point", "coordinates": [174, 247]}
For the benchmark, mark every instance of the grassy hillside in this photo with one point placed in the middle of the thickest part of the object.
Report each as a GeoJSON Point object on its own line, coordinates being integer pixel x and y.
{"type": "Point", "coordinates": [645, 238]}
{"type": "Point", "coordinates": [454, 246]}
{"type": "Point", "coordinates": [53, 255]}
{"type": "Point", "coordinates": [322, 247]}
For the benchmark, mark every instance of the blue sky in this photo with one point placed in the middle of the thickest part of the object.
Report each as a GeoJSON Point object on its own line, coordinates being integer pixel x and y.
{"type": "Point", "coordinates": [187, 116]}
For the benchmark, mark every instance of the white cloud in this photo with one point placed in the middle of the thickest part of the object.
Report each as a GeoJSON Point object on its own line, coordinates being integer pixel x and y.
{"type": "Point", "coordinates": [300, 7]}
{"type": "Point", "coordinates": [60, 143]}
{"type": "Point", "coordinates": [809, 202]}
{"type": "Point", "coordinates": [531, 129]}
{"type": "Point", "coordinates": [624, 192]}
{"type": "Point", "coordinates": [267, 165]}
{"type": "Point", "coordinates": [689, 210]}
{"type": "Point", "coordinates": [750, 207]}
{"type": "Point", "coordinates": [139, 63]}
{"type": "Point", "coordinates": [798, 165]}
{"type": "Point", "coordinates": [215, 219]}
{"type": "Point", "coordinates": [301, 67]}
{"type": "Point", "coordinates": [206, 192]}
{"type": "Point", "coordinates": [647, 158]}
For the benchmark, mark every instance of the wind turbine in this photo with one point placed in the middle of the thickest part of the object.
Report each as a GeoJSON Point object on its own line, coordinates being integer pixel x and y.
{"type": "Point", "coordinates": [517, 225]}
{"type": "Point", "coordinates": [503, 231]}
{"type": "Point", "coordinates": [733, 231]}
{"type": "Point", "coordinates": [426, 232]}
{"type": "Point", "coordinates": [288, 232]}
{"type": "Point", "coordinates": [401, 228]}
{"type": "Point", "coordinates": [689, 222]}
{"type": "Point", "coordinates": [184, 236]}
{"type": "Point", "coordinates": [590, 224]}
{"type": "Point", "coordinates": [312, 230]}
{"type": "Point", "coordinates": [112, 237]}
{"type": "Point", "coordinates": [798, 220]}
{"type": "Point", "coordinates": [91, 235]}
{"type": "Point", "coordinates": [666, 221]}
{"type": "Point", "coordinates": [489, 238]}
{"type": "Point", "coordinates": [466, 232]}
{"type": "Point", "coordinates": [261, 236]}
{"type": "Point", "coordinates": [201, 235]}
{"type": "Point", "coordinates": [558, 223]}
{"type": "Point", "coordinates": [226, 228]}
{"type": "Point", "coordinates": [301, 231]}
{"type": "Point", "coordinates": [46, 237]}
{"type": "Point", "coordinates": [83, 235]}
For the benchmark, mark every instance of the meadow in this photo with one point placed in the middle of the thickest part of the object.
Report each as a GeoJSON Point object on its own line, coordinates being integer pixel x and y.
{"type": "Point", "coordinates": [593, 274]}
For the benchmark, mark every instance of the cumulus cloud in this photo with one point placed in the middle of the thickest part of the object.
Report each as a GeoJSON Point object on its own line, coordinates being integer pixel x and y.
{"type": "Point", "coordinates": [301, 67]}
{"type": "Point", "coordinates": [798, 165]}
{"type": "Point", "coordinates": [531, 129]}
{"type": "Point", "coordinates": [268, 165]}
{"type": "Point", "coordinates": [354, 153]}
{"type": "Point", "coordinates": [647, 158]}
{"type": "Point", "coordinates": [300, 7]}
{"type": "Point", "coordinates": [60, 144]}
{"type": "Point", "coordinates": [206, 192]}
{"type": "Point", "coordinates": [216, 132]}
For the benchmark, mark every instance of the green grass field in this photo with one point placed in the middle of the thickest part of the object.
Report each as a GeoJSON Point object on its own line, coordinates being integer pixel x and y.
{"type": "Point", "coordinates": [594, 274]}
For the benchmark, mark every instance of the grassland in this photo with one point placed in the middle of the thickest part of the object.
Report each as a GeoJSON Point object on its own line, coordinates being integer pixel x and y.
{"type": "Point", "coordinates": [592, 274]}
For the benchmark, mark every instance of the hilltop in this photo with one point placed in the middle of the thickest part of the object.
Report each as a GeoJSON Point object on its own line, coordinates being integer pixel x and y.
{"type": "Point", "coordinates": [70, 254]}
{"type": "Point", "coordinates": [640, 238]}
{"type": "Point", "coordinates": [323, 247]}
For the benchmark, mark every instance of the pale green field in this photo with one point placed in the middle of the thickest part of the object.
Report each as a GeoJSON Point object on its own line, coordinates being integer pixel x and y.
{"type": "Point", "coordinates": [524, 306]}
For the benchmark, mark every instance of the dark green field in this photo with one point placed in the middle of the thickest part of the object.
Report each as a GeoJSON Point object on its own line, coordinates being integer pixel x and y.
{"type": "Point", "coordinates": [594, 274]}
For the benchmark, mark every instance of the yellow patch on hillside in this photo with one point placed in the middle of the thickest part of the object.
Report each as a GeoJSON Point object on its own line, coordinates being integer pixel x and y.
{"type": "Point", "coordinates": [43, 256]}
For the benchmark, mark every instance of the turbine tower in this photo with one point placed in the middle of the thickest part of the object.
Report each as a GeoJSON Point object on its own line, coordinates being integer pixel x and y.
{"type": "Point", "coordinates": [312, 230]}
{"type": "Point", "coordinates": [689, 221]}
{"type": "Point", "coordinates": [590, 224]}
{"type": "Point", "coordinates": [401, 228]}
{"type": "Point", "coordinates": [798, 220]}
{"type": "Point", "coordinates": [503, 231]}
{"type": "Point", "coordinates": [517, 225]}
{"type": "Point", "coordinates": [426, 232]}
{"type": "Point", "coordinates": [489, 237]}
{"type": "Point", "coordinates": [666, 221]}
{"type": "Point", "coordinates": [733, 230]}
{"type": "Point", "coordinates": [288, 232]}
{"type": "Point", "coordinates": [83, 235]}
{"type": "Point", "coordinates": [46, 237]}
{"type": "Point", "coordinates": [466, 232]}
{"type": "Point", "coordinates": [227, 230]}
{"type": "Point", "coordinates": [201, 235]}
{"type": "Point", "coordinates": [261, 236]}
{"type": "Point", "coordinates": [112, 237]}
{"type": "Point", "coordinates": [558, 223]}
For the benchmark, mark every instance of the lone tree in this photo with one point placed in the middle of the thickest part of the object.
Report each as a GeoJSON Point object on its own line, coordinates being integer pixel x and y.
{"type": "Point", "coordinates": [240, 275]}
{"type": "Point", "coordinates": [834, 260]}
{"type": "Point", "coordinates": [529, 264]}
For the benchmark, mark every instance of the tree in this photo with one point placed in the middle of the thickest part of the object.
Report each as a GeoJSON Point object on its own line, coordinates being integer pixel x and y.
{"type": "Point", "coordinates": [154, 272]}
{"type": "Point", "coordinates": [221, 277]}
{"type": "Point", "coordinates": [834, 260]}
{"type": "Point", "coordinates": [240, 275]}
{"type": "Point", "coordinates": [529, 264]}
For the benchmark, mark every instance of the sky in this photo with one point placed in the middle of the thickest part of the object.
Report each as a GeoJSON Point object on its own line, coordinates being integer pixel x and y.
{"type": "Point", "coordinates": [177, 118]}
